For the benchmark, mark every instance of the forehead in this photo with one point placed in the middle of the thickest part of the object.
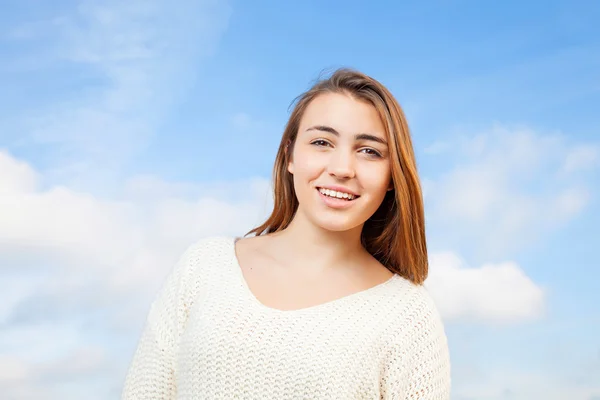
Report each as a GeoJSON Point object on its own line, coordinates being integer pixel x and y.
{"type": "Point", "coordinates": [345, 114]}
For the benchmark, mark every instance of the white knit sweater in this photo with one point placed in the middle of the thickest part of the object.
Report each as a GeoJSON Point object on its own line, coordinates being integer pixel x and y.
{"type": "Point", "coordinates": [208, 337]}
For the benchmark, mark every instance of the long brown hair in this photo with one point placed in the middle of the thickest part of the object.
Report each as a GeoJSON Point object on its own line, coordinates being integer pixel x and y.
{"type": "Point", "coordinates": [395, 233]}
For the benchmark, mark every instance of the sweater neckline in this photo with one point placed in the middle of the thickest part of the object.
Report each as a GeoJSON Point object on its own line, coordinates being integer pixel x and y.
{"type": "Point", "coordinates": [315, 308]}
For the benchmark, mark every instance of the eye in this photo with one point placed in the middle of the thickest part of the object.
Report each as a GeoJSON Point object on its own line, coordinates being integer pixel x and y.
{"type": "Point", "coordinates": [320, 142]}
{"type": "Point", "coordinates": [371, 152]}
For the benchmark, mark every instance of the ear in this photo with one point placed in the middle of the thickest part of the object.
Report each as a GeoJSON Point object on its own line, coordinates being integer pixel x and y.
{"type": "Point", "coordinates": [391, 185]}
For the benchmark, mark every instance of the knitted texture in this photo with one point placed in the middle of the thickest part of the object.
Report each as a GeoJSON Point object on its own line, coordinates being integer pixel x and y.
{"type": "Point", "coordinates": [208, 337]}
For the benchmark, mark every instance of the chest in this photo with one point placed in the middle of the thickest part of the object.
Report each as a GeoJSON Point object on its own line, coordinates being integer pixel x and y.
{"type": "Point", "coordinates": [235, 349]}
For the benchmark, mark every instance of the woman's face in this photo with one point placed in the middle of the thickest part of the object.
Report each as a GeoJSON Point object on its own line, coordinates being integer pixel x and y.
{"type": "Point", "coordinates": [340, 162]}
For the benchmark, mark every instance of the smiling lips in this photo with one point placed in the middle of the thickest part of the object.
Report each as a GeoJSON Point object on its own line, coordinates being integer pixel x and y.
{"type": "Point", "coordinates": [336, 194]}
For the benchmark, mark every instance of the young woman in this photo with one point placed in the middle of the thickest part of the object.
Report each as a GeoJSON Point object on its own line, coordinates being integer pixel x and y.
{"type": "Point", "coordinates": [325, 300]}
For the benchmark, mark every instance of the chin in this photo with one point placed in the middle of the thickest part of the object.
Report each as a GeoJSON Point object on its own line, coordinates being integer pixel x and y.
{"type": "Point", "coordinates": [334, 224]}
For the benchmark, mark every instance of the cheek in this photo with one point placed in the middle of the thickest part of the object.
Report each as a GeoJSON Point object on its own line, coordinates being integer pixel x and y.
{"type": "Point", "coordinates": [305, 166]}
{"type": "Point", "coordinates": [376, 178]}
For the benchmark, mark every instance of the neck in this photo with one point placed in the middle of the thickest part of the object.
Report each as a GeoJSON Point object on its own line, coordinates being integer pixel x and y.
{"type": "Point", "coordinates": [310, 245]}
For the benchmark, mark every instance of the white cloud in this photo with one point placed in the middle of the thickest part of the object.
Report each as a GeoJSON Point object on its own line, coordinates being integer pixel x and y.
{"type": "Point", "coordinates": [82, 231]}
{"type": "Point", "coordinates": [86, 372]}
{"type": "Point", "coordinates": [79, 264]}
{"type": "Point", "coordinates": [507, 189]}
{"type": "Point", "coordinates": [497, 293]}
{"type": "Point", "coordinates": [12, 369]}
{"type": "Point", "coordinates": [17, 176]}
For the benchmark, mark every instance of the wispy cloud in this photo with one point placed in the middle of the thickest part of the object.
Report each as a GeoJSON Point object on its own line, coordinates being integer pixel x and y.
{"type": "Point", "coordinates": [123, 65]}
{"type": "Point", "coordinates": [507, 188]}
{"type": "Point", "coordinates": [581, 158]}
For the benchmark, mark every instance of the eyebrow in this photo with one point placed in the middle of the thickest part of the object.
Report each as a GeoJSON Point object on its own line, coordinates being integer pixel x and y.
{"type": "Point", "coordinates": [358, 136]}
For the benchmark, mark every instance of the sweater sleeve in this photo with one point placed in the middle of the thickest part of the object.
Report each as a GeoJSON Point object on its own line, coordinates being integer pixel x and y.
{"type": "Point", "coordinates": [151, 374]}
{"type": "Point", "coordinates": [420, 369]}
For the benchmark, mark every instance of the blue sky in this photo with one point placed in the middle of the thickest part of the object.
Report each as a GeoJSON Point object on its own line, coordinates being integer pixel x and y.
{"type": "Point", "coordinates": [128, 131]}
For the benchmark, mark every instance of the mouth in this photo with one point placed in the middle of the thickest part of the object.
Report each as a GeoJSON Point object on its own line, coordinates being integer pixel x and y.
{"type": "Point", "coordinates": [337, 195]}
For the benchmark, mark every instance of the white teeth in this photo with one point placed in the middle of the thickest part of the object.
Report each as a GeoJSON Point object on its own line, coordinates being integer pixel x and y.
{"type": "Point", "coordinates": [338, 195]}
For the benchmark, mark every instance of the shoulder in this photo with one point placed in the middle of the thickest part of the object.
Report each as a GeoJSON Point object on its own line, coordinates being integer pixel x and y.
{"type": "Point", "coordinates": [416, 314]}
{"type": "Point", "coordinates": [204, 256]}
{"type": "Point", "coordinates": [213, 246]}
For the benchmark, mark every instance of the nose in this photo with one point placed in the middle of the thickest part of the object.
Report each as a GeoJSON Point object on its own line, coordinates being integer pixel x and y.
{"type": "Point", "coordinates": [341, 164]}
